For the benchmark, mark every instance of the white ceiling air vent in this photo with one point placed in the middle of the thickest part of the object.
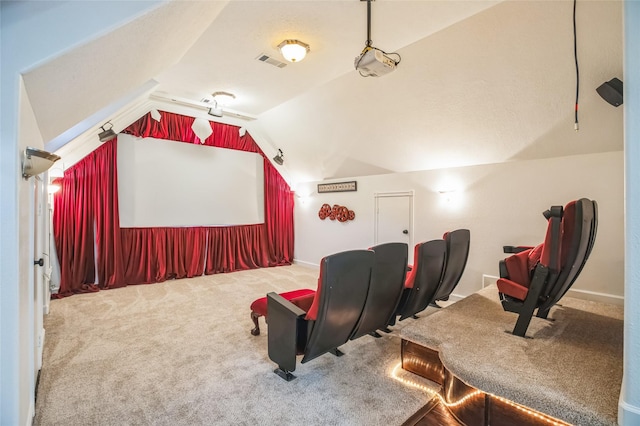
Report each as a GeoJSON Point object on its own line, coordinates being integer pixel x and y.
{"type": "Point", "coordinates": [269, 60]}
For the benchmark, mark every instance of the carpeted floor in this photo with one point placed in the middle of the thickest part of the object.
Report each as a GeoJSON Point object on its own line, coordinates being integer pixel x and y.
{"type": "Point", "coordinates": [571, 368]}
{"type": "Point", "coordinates": [180, 353]}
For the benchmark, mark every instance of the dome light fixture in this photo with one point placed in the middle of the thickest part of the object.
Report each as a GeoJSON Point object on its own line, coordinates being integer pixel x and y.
{"type": "Point", "coordinates": [223, 98]}
{"type": "Point", "coordinates": [293, 50]}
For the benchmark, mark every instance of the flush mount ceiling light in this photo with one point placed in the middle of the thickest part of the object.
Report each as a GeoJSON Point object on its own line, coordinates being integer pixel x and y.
{"type": "Point", "coordinates": [293, 50]}
{"type": "Point", "coordinates": [223, 98]}
{"type": "Point", "coordinates": [106, 134]}
{"type": "Point", "coordinates": [279, 158]}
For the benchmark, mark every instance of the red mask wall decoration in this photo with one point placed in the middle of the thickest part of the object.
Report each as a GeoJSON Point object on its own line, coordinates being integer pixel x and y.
{"type": "Point", "coordinates": [341, 213]}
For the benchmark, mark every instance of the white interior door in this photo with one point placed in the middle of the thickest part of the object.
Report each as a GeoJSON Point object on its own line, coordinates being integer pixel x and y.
{"type": "Point", "coordinates": [38, 273]}
{"type": "Point", "coordinates": [394, 219]}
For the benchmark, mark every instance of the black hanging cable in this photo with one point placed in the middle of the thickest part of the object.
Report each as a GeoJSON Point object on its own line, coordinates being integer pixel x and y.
{"type": "Point", "coordinates": [575, 55]}
{"type": "Point", "coordinates": [368, 23]}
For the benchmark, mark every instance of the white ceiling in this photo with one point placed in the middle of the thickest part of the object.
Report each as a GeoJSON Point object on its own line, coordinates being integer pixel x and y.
{"type": "Point", "coordinates": [479, 82]}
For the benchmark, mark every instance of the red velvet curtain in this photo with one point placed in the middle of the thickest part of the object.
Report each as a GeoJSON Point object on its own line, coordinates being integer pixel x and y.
{"type": "Point", "coordinates": [88, 201]}
{"type": "Point", "coordinates": [158, 254]}
{"type": "Point", "coordinates": [85, 216]}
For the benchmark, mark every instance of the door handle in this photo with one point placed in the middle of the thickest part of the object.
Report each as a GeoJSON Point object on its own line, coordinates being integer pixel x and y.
{"type": "Point", "coordinates": [39, 262]}
{"type": "Point", "coordinates": [405, 232]}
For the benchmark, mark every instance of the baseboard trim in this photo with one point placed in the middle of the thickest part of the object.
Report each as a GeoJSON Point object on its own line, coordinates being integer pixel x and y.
{"type": "Point", "coordinates": [628, 415]}
{"type": "Point", "coordinates": [456, 297]}
{"type": "Point", "coordinates": [595, 296]}
{"type": "Point", "coordinates": [305, 264]}
{"type": "Point", "coordinates": [488, 280]}
{"type": "Point", "coordinates": [32, 413]}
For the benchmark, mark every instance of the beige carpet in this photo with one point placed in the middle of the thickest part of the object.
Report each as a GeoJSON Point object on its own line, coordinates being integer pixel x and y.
{"type": "Point", "coordinates": [180, 353]}
{"type": "Point", "coordinates": [571, 368]}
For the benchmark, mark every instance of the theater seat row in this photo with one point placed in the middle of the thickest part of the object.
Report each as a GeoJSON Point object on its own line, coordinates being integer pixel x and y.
{"type": "Point", "coordinates": [358, 292]}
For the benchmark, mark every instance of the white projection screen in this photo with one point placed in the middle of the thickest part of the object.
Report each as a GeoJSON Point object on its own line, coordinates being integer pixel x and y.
{"type": "Point", "coordinates": [171, 184]}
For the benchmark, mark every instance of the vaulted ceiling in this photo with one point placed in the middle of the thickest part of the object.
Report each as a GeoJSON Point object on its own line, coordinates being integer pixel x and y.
{"type": "Point", "coordinates": [479, 81]}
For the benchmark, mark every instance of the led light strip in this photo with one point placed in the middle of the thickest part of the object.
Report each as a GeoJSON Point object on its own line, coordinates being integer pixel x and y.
{"type": "Point", "coordinates": [411, 383]}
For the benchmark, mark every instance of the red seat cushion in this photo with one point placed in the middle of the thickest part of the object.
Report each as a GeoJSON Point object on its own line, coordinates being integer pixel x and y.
{"type": "Point", "coordinates": [301, 298]}
{"type": "Point", "coordinates": [512, 289]}
{"type": "Point", "coordinates": [520, 267]}
{"type": "Point", "coordinates": [411, 277]}
{"type": "Point", "coordinates": [312, 313]}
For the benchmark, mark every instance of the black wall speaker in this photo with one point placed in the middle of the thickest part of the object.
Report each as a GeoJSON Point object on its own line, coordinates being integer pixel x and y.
{"type": "Point", "coordinates": [611, 91]}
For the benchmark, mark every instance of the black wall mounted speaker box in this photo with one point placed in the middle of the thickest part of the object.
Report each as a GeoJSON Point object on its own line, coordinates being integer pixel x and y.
{"type": "Point", "coordinates": [611, 91]}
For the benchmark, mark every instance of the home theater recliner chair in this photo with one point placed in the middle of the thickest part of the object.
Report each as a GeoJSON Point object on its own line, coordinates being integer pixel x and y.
{"type": "Point", "coordinates": [385, 288]}
{"type": "Point", "coordinates": [336, 308]}
{"type": "Point", "coordinates": [457, 242]}
{"type": "Point", "coordinates": [538, 277]}
{"type": "Point", "coordinates": [424, 278]}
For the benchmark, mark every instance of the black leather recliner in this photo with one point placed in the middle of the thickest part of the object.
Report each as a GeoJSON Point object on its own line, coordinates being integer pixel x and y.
{"type": "Point", "coordinates": [536, 278]}
{"type": "Point", "coordinates": [423, 280]}
{"type": "Point", "coordinates": [385, 288]}
{"type": "Point", "coordinates": [342, 290]}
{"type": "Point", "coordinates": [457, 242]}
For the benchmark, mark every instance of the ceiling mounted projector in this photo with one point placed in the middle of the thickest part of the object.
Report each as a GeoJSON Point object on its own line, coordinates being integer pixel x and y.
{"type": "Point", "coordinates": [374, 62]}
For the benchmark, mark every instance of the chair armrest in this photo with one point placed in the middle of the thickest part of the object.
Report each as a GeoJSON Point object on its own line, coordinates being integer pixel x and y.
{"type": "Point", "coordinates": [515, 249]}
{"type": "Point", "coordinates": [285, 323]}
{"type": "Point", "coordinates": [304, 302]}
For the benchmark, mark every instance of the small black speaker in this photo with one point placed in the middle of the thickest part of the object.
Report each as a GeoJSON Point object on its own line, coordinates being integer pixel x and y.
{"type": "Point", "coordinates": [611, 91]}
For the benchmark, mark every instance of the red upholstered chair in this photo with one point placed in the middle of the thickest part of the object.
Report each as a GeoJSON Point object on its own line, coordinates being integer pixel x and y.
{"type": "Point", "coordinates": [537, 278]}
{"type": "Point", "coordinates": [457, 254]}
{"type": "Point", "coordinates": [330, 320]}
{"type": "Point", "coordinates": [301, 298]}
{"type": "Point", "coordinates": [385, 288]}
{"type": "Point", "coordinates": [423, 280]}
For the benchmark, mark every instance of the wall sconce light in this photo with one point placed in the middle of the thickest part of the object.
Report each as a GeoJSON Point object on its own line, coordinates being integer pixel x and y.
{"type": "Point", "coordinates": [293, 50]}
{"type": "Point", "coordinates": [303, 199]}
{"type": "Point", "coordinates": [448, 195]}
{"type": "Point", "coordinates": [611, 91]}
{"type": "Point", "coordinates": [54, 186]}
{"type": "Point", "coordinates": [279, 158]}
{"type": "Point", "coordinates": [36, 161]}
{"type": "Point", "coordinates": [106, 134]}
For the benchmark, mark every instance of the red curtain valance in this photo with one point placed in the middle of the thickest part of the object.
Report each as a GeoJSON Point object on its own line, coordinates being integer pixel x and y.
{"type": "Point", "coordinates": [88, 201]}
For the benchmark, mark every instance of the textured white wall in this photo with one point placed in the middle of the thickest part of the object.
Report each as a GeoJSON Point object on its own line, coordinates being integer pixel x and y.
{"type": "Point", "coordinates": [500, 203]}
{"type": "Point", "coordinates": [495, 87]}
